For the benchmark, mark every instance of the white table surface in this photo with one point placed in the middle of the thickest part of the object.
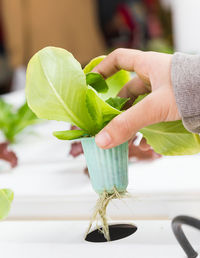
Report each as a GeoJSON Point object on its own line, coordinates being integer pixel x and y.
{"type": "Point", "coordinates": [153, 239]}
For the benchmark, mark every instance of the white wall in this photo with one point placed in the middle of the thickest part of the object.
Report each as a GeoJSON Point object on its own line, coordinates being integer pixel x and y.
{"type": "Point", "coordinates": [186, 25]}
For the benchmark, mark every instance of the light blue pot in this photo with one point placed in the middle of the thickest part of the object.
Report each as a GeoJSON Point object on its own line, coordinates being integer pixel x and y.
{"type": "Point", "coordinates": [107, 168]}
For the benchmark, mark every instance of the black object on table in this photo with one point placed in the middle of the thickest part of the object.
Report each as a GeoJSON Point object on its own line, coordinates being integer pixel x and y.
{"type": "Point", "coordinates": [177, 224]}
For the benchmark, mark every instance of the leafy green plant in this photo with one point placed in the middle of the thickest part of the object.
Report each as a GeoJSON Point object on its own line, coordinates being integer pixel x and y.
{"type": "Point", "coordinates": [14, 121]}
{"type": "Point", "coordinates": [6, 198]}
{"type": "Point", "coordinates": [58, 89]}
{"type": "Point", "coordinates": [65, 94]}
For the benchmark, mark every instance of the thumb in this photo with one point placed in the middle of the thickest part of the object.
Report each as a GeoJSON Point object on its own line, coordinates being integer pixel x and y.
{"type": "Point", "coordinates": [125, 126]}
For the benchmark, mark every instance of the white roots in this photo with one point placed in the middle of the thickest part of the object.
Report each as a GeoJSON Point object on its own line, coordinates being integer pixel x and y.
{"type": "Point", "coordinates": [100, 211]}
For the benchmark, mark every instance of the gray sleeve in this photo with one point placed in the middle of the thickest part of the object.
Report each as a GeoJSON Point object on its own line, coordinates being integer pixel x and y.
{"type": "Point", "coordinates": [185, 74]}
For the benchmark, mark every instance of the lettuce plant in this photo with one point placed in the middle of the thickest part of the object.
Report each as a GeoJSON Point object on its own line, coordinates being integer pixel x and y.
{"type": "Point", "coordinates": [58, 89]}
{"type": "Point", "coordinates": [13, 121]}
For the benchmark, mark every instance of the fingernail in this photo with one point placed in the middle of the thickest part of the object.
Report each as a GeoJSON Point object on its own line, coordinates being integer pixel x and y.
{"type": "Point", "coordinates": [103, 139]}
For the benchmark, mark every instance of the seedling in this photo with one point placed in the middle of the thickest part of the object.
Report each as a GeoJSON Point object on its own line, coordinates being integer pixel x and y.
{"type": "Point", "coordinates": [58, 89]}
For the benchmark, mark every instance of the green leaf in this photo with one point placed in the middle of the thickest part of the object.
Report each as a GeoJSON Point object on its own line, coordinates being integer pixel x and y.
{"type": "Point", "coordinates": [13, 121]}
{"type": "Point", "coordinates": [100, 111]}
{"type": "Point", "coordinates": [139, 98]}
{"type": "Point", "coordinates": [117, 102]}
{"type": "Point", "coordinates": [69, 134]}
{"type": "Point", "coordinates": [23, 118]}
{"type": "Point", "coordinates": [115, 82]}
{"type": "Point", "coordinates": [171, 138]}
{"type": "Point", "coordinates": [94, 62]}
{"type": "Point", "coordinates": [24, 113]}
{"type": "Point", "coordinates": [6, 198]}
{"type": "Point", "coordinates": [56, 89]}
{"type": "Point", "coordinates": [96, 81]}
{"type": "Point", "coordinates": [6, 116]}
{"type": "Point", "coordinates": [94, 108]}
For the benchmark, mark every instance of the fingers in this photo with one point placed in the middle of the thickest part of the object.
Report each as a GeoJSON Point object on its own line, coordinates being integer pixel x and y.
{"type": "Point", "coordinates": [125, 125]}
{"type": "Point", "coordinates": [134, 88]}
{"type": "Point", "coordinates": [127, 59]}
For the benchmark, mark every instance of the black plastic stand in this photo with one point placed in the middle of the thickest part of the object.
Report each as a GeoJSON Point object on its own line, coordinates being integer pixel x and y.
{"type": "Point", "coordinates": [180, 236]}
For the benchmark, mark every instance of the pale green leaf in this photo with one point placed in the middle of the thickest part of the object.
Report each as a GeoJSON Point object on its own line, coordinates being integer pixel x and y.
{"type": "Point", "coordinates": [171, 138]}
{"type": "Point", "coordinates": [117, 102]}
{"type": "Point", "coordinates": [94, 108]}
{"type": "Point", "coordinates": [115, 82]}
{"type": "Point", "coordinates": [6, 198]}
{"type": "Point", "coordinates": [139, 98]}
{"type": "Point", "coordinates": [69, 134]}
{"type": "Point", "coordinates": [56, 89]}
{"type": "Point", "coordinates": [91, 65]}
{"type": "Point", "coordinates": [96, 81]}
{"type": "Point", "coordinates": [100, 111]}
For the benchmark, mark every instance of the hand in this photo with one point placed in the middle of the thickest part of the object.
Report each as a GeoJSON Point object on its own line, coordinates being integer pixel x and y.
{"type": "Point", "coordinates": [153, 76]}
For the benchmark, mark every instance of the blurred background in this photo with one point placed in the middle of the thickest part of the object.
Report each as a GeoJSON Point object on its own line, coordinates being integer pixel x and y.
{"type": "Point", "coordinates": [47, 176]}
{"type": "Point", "coordinates": [90, 28]}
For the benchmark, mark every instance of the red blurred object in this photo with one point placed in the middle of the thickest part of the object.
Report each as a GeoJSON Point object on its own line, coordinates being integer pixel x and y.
{"type": "Point", "coordinates": [136, 152]}
{"type": "Point", "coordinates": [8, 155]}
{"type": "Point", "coordinates": [76, 149]}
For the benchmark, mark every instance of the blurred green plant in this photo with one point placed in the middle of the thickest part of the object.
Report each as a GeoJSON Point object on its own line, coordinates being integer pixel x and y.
{"type": "Point", "coordinates": [13, 121]}
{"type": "Point", "coordinates": [159, 45]}
{"type": "Point", "coordinates": [6, 198]}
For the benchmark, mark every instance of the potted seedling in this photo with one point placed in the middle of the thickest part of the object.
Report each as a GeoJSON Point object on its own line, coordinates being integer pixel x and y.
{"type": "Point", "coordinates": [57, 88]}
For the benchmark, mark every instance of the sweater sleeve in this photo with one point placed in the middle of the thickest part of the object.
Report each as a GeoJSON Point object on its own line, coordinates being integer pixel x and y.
{"type": "Point", "coordinates": [185, 75]}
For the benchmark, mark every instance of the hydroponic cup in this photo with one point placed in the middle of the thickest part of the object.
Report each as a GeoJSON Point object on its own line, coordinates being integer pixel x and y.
{"type": "Point", "coordinates": [108, 169]}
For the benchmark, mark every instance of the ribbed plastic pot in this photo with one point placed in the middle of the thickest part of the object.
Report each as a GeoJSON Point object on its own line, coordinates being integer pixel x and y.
{"type": "Point", "coordinates": [108, 168]}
